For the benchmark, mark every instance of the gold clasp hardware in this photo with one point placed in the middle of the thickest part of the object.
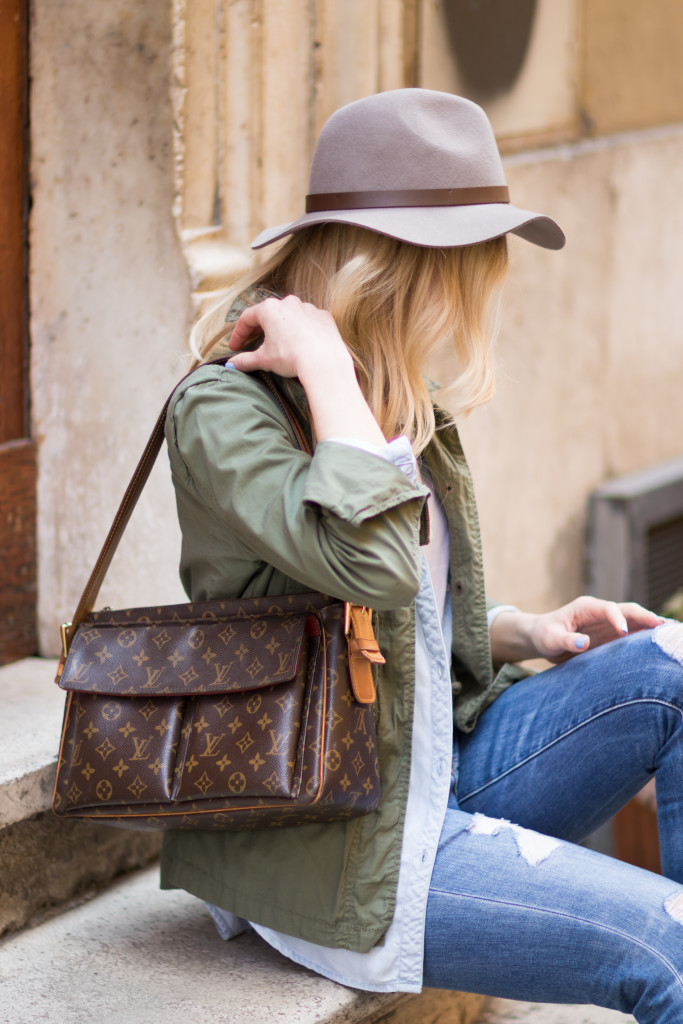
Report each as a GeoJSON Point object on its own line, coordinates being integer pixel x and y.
{"type": "Point", "coordinates": [63, 630]}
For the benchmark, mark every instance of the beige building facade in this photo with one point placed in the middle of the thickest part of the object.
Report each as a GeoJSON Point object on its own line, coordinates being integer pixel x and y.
{"type": "Point", "coordinates": [165, 135]}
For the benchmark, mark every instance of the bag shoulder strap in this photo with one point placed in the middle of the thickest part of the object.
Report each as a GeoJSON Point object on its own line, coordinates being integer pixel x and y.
{"type": "Point", "coordinates": [134, 490]}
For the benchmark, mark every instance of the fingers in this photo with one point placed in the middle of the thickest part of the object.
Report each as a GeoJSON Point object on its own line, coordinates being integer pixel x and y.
{"type": "Point", "coordinates": [576, 643]}
{"type": "Point", "coordinates": [569, 637]}
{"type": "Point", "coordinates": [588, 622]}
{"type": "Point", "coordinates": [639, 617]}
{"type": "Point", "coordinates": [623, 617]}
{"type": "Point", "coordinates": [591, 622]}
{"type": "Point", "coordinates": [299, 340]}
{"type": "Point", "coordinates": [280, 322]}
{"type": "Point", "coordinates": [594, 612]}
{"type": "Point", "coordinates": [584, 623]}
{"type": "Point", "coordinates": [556, 636]}
{"type": "Point", "coordinates": [247, 361]}
{"type": "Point", "coordinates": [616, 617]}
{"type": "Point", "coordinates": [248, 326]}
{"type": "Point", "coordinates": [565, 645]}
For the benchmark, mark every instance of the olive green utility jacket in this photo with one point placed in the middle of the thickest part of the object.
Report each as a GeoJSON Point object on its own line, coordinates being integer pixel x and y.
{"type": "Point", "coordinates": [258, 516]}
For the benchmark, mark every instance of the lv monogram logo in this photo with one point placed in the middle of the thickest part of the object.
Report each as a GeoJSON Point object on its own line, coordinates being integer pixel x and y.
{"type": "Point", "coordinates": [142, 744]}
{"type": "Point", "coordinates": [278, 744]}
{"type": "Point", "coordinates": [285, 659]}
{"type": "Point", "coordinates": [360, 721]}
{"type": "Point", "coordinates": [79, 674]}
{"type": "Point", "coordinates": [221, 673]}
{"type": "Point", "coordinates": [153, 676]}
{"type": "Point", "coordinates": [211, 748]}
{"type": "Point", "coordinates": [76, 758]}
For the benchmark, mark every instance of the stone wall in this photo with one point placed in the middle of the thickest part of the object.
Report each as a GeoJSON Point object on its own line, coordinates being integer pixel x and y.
{"type": "Point", "coordinates": [165, 135]}
{"type": "Point", "coordinates": [109, 293]}
{"type": "Point", "coordinates": [590, 356]}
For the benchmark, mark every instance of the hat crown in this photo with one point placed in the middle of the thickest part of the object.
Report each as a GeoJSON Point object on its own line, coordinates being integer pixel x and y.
{"type": "Point", "coordinates": [406, 139]}
{"type": "Point", "coordinates": [417, 165]}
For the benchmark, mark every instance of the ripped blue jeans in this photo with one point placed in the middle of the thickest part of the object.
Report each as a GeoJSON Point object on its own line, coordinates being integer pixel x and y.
{"type": "Point", "coordinates": [524, 915]}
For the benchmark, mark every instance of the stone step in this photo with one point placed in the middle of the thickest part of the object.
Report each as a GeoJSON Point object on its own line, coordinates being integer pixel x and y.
{"type": "Point", "coordinates": [46, 861]}
{"type": "Point", "coordinates": [508, 1011]}
{"type": "Point", "coordinates": [137, 955]}
{"type": "Point", "coordinates": [32, 715]}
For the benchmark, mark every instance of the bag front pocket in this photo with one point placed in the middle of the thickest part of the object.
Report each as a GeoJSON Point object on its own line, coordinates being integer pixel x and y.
{"type": "Point", "coordinates": [219, 718]}
{"type": "Point", "coordinates": [123, 746]}
{"type": "Point", "coordinates": [243, 744]}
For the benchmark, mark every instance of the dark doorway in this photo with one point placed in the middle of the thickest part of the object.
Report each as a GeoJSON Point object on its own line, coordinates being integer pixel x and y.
{"type": "Point", "coordinates": [17, 450]}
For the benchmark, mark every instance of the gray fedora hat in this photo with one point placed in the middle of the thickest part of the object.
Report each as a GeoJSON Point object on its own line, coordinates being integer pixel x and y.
{"type": "Point", "coordinates": [417, 165]}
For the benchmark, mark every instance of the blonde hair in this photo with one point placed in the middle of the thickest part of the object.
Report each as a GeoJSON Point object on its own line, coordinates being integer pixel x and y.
{"type": "Point", "coordinates": [395, 305]}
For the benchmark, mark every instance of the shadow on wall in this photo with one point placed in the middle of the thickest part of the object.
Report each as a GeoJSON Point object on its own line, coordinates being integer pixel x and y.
{"type": "Point", "coordinates": [489, 40]}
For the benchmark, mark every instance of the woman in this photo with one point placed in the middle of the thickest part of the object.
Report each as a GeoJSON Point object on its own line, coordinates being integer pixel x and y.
{"type": "Point", "coordinates": [401, 251]}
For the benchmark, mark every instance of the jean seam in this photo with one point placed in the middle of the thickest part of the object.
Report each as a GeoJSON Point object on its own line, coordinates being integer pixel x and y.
{"type": "Point", "coordinates": [569, 917]}
{"type": "Point", "coordinates": [563, 736]}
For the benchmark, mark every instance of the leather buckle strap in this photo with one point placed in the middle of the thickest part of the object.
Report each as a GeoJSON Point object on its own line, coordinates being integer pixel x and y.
{"type": "Point", "coordinates": [364, 651]}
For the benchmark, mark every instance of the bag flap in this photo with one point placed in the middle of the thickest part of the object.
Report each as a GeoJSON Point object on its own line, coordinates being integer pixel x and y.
{"type": "Point", "coordinates": [136, 657]}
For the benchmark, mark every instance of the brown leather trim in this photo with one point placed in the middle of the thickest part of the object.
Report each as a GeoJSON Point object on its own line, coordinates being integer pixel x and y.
{"type": "Point", "coordinates": [62, 741]}
{"type": "Point", "coordinates": [319, 202]}
{"type": "Point", "coordinates": [363, 644]}
{"type": "Point", "coordinates": [363, 650]}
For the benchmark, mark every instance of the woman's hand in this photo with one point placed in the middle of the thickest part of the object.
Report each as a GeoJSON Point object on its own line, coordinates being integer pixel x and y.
{"type": "Point", "coordinates": [303, 341]}
{"type": "Point", "coordinates": [299, 340]}
{"type": "Point", "coordinates": [583, 623]}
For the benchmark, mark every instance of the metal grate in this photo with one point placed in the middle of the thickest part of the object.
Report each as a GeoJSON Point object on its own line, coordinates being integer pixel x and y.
{"type": "Point", "coordinates": [635, 537]}
{"type": "Point", "coordinates": [663, 562]}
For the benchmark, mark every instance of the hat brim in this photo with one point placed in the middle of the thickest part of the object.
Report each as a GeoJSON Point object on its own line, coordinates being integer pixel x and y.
{"type": "Point", "coordinates": [434, 226]}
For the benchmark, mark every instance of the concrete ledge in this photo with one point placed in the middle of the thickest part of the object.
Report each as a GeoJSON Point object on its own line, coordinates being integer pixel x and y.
{"type": "Point", "coordinates": [508, 1011]}
{"type": "Point", "coordinates": [137, 954]}
{"type": "Point", "coordinates": [32, 714]}
{"type": "Point", "coordinates": [47, 861]}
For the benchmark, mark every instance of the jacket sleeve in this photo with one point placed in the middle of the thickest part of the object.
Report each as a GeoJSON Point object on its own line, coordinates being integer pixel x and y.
{"type": "Point", "coordinates": [343, 521]}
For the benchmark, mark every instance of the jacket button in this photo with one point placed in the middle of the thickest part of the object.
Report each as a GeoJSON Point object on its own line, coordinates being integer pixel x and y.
{"type": "Point", "coordinates": [458, 587]}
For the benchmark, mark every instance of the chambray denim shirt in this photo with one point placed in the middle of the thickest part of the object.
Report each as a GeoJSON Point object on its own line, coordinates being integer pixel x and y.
{"type": "Point", "coordinates": [396, 965]}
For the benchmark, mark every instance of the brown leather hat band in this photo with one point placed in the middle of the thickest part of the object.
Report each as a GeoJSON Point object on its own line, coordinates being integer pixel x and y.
{"type": "Point", "coordinates": [319, 202]}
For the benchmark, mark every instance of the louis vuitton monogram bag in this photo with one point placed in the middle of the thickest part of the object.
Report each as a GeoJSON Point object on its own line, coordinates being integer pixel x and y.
{"type": "Point", "coordinates": [235, 714]}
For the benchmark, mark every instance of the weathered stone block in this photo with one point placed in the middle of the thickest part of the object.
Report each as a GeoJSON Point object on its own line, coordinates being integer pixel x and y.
{"type": "Point", "coordinates": [47, 862]}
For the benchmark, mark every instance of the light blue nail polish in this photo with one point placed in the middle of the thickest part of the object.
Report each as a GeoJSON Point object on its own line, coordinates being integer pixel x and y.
{"type": "Point", "coordinates": [230, 365]}
{"type": "Point", "coordinates": [580, 642]}
{"type": "Point", "coordinates": [624, 626]}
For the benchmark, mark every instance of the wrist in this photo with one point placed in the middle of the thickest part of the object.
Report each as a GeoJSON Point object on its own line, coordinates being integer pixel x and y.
{"type": "Point", "coordinates": [498, 609]}
{"type": "Point", "coordinates": [337, 405]}
{"type": "Point", "coordinates": [327, 370]}
{"type": "Point", "coordinates": [512, 636]}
